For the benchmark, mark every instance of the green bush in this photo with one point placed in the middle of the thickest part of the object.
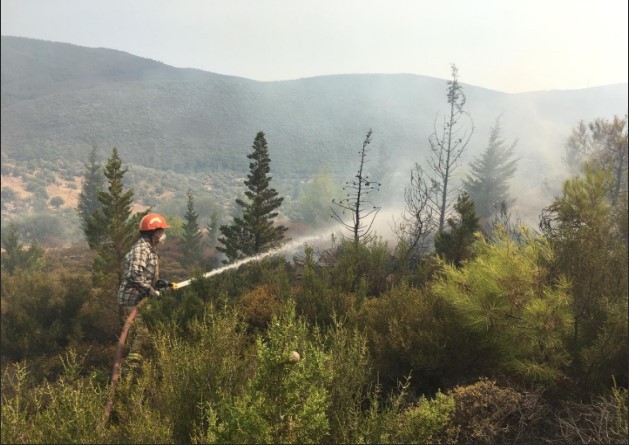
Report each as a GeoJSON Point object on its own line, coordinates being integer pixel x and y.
{"type": "Point", "coordinates": [47, 307]}
{"type": "Point", "coordinates": [68, 410]}
{"type": "Point", "coordinates": [283, 402]}
{"type": "Point", "coordinates": [427, 421]}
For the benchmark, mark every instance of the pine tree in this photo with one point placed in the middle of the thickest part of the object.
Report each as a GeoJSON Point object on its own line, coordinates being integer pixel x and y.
{"type": "Point", "coordinates": [356, 202]}
{"type": "Point", "coordinates": [191, 235]}
{"type": "Point", "coordinates": [455, 245]}
{"type": "Point", "coordinates": [507, 299]}
{"type": "Point", "coordinates": [254, 232]}
{"type": "Point", "coordinates": [591, 253]}
{"type": "Point", "coordinates": [487, 184]}
{"type": "Point", "coordinates": [89, 205]}
{"type": "Point", "coordinates": [19, 256]}
{"type": "Point", "coordinates": [116, 223]}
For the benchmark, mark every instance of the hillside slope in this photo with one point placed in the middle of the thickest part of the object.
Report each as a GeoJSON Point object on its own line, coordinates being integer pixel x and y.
{"type": "Point", "coordinates": [58, 100]}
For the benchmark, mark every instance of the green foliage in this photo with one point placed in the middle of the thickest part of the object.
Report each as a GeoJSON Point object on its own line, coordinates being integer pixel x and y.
{"type": "Point", "coordinates": [313, 205]}
{"type": "Point", "coordinates": [488, 182]}
{"type": "Point", "coordinates": [89, 204]}
{"type": "Point", "coordinates": [207, 366]}
{"type": "Point", "coordinates": [191, 246]}
{"type": "Point", "coordinates": [427, 421]}
{"type": "Point", "coordinates": [361, 268]}
{"type": "Point", "coordinates": [455, 245]}
{"type": "Point", "coordinates": [56, 201]}
{"type": "Point", "coordinates": [411, 331]}
{"type": "Point", "coordinates": [115, 221]}
{"type": "Point", "coordinates": [68, 410]}
{"type": "Point", "coordinates": [350, 368]}
{"type": "Point", "coordinates": [41, 312]}
{"type": "Point", "coordinates": [317, 299]}
{"type": "Point", "coordinates": [254, 232]}
{"type": "Point", "coordinates": [283, 402]}
{"type": "Point", "coordinates": [591, 252]}
{"type": "Point", "coordinates": [504, 296]}
{"type": "Point", "coordinates": [17, 256]}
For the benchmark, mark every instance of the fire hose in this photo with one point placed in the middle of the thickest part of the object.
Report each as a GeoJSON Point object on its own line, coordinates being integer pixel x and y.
{"type": "Point", "coordinates": [115, 376]}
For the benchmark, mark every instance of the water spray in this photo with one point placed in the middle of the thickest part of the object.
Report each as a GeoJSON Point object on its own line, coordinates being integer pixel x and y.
{"type": "Point", "coordinates": [285, 248]}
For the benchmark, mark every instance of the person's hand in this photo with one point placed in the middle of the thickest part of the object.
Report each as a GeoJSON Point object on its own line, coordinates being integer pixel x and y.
{"type": "Point", "coordinates": [154, 293]}
{"type": "Point", "coordinates": [162, 284]}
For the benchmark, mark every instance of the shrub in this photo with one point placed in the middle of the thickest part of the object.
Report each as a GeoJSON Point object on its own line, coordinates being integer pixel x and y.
{"type": "Point", "coordinates": [282, 402]}
{"type": "Point", "coordinates": [66, 411]}
{"type": "Point", "coordinates": [427, 421]}
{"type": "Point", "coordinates": [208, 365]}
{"type": "Point", "coordinates": [259, 306]}
{"type": "Point", "coordinates": [487, 413]}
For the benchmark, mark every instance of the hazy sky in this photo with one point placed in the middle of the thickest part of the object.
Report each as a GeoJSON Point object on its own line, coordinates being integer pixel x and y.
{"type": "Point", "coordinates": [504, 45]}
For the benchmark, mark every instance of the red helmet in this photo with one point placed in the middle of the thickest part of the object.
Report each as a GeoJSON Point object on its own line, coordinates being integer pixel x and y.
{"type": "Point", "coordinates": [153, 221]}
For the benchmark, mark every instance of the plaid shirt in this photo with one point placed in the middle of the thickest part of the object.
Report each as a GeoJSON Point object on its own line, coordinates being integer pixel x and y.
{"type": "Point", "coordinates": [142, 270]}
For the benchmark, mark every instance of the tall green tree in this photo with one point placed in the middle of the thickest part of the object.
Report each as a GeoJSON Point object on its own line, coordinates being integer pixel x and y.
{"type": "Point", "coordinates": [447, 144]}
{"type": "Point", "coordinates": [488, 182]}
{"type": "Point", "coordinates": [89, 205]}
{"type": "Point", "coordinates": [254, 232]}
{"type": "Point", "coordinates": [455, 245]}
{"type": "Point", "coordinates": [191, 235]}
{"type": "Point", "coordinates": [591, 252]}
{"type": "Point", "coordinates": [117, 224]}
{"type": "Point", "coordinates": [357, 202]}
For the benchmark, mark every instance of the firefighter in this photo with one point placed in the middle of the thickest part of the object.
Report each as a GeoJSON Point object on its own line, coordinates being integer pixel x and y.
{"type": "Point", "coordinates": [141, 277]}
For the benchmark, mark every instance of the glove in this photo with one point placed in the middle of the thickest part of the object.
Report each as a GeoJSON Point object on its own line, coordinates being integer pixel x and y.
{"type": "Point", "coordinates": [154, 293]}
{"type": "Point", "coordinates": [162, 284]}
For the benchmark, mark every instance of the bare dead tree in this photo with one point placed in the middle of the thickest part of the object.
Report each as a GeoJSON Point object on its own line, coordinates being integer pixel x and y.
{"type": "Point", "coordinates": [418, 222]}
{"type": "Point", "coordinates": [446, 146]}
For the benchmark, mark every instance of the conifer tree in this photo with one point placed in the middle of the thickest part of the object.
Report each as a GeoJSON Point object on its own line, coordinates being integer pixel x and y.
{"type": "Point", "coordinates": [455, 245]}
{"type": "Point", "coordinates": [19, 256]}
{"type": "Point", "coordinates": [506, 298]}
{"type": "Point", "coordinates": [356, 201]}
{"type": "Point", "coordinates": [487, 184]}
{"type": "Point", "coordinates": [254, 232]}
{"type": "Point", "coordinates": [591, 253]}
{"type": "Point", "coordinates": [191, 235]}
{"type": "Point", "coordinates": [117, 223]}
{"type": "Point", "coordinates": [89, 205]}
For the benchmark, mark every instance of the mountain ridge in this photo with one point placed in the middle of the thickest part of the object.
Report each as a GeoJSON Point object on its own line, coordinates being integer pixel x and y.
{"type": "Point", "coordinates": [59, 99]}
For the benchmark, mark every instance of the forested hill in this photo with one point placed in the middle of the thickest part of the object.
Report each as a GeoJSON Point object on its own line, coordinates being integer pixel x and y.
{"type": "Point", "coordinates": [60, 99]}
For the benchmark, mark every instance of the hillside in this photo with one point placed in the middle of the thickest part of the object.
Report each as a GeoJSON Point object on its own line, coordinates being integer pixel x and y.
{"type": "Point", "coordinates": [181, 128]}
{"type": "Point", "coordinates": [59, 99]}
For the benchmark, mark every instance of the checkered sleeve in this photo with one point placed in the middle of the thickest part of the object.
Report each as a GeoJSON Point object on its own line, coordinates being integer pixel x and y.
{"type": "Point", "coordinates": [140, 274]}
